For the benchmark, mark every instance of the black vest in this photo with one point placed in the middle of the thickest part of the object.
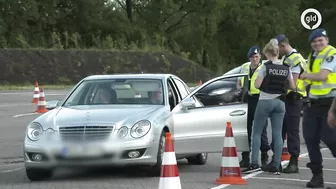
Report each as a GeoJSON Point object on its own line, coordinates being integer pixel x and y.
{"type": "Point", "coordinates": [276, 79]}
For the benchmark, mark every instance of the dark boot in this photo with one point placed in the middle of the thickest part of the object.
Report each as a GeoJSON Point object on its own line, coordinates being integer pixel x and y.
{"type": "Point", "coordinates": [316, 181]}
{"type": "Point", "coordinates": [292, 166]}
{"type": "Point", "coordinates": [245, 162]}
{"type": "Point", "coordinates": [264, 158]}
{"type": "Point", "coordinates": [280, 167]}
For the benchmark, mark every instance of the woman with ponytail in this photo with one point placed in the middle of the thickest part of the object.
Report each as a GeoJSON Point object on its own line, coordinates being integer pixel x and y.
{"type": "Point", "coordinates": [273, 81]}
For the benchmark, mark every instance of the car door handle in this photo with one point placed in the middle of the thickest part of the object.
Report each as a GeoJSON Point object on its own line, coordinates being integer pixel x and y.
{"type": "Point", "coordinates": [238, 113]}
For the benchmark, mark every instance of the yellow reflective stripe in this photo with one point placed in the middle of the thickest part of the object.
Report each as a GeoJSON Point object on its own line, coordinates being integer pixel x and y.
{"type": "Point", "coordinates": [291, 62]}
{"type": "Point", "coordinates": [322, 85]}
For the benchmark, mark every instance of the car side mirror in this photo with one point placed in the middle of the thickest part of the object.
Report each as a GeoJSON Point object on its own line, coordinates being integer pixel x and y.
{"type": "Point", "coordinates": [188, 103]}
{"type": "Point", "coordinates": [52, 104]}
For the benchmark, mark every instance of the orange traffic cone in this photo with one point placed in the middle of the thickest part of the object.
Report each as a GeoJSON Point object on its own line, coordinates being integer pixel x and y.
{"type": "Point", "coordinates": [230, 169]}
{"type": "Point", "coordinates": [285, 155]}
{"type": "Point", "coordinates": [137, 95]}
{"type": "Point", "coordinates": [170, 178]}
{"type": "Point", "coordinates": [41, 106]}
{"type": "Point", "coordinates": [36, 95]}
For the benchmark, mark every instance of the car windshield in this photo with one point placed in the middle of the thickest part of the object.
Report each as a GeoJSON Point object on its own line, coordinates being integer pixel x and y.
{"type": "Point", "coordinates": [117, 91]}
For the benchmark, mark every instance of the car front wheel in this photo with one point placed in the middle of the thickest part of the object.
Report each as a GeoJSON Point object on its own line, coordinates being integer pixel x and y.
{"type": "Point", "coordinates": [35, 174]}
{"type": "Point", "coordinates": [199, 159]}
{"type": "Point", "coordinates": [156, 169]}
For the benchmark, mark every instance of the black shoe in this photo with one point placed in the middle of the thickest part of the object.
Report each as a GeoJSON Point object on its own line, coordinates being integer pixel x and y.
{"type": "Point", "coordinates": [316, 181]}
{"type": "Point", "coordinates": [292, 166]}
{"type": "Point", "coordinates": [264, 158]}
{"type": "Point", "coordinates": [271, 168]}
{"type": "Point", "coordinates": [251, 169]}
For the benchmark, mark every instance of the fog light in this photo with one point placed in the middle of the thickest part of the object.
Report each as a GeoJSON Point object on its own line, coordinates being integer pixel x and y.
{"type": "Point", "coordinates": [36, 157]}
{"type": "Point", "coordinates": [133, 154]}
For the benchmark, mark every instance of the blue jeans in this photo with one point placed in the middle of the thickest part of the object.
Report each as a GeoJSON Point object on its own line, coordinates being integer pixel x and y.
{"type": "Point", "coordinates": [275, 110]}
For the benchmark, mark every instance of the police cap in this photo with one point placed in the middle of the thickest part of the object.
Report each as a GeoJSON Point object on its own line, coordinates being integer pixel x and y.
{"type": "Point", "coordinates": [317, 33]}
{"type": "Point", "coordinates": [253, 50]}
{"type": "Point", "coordinates": [280, 37]}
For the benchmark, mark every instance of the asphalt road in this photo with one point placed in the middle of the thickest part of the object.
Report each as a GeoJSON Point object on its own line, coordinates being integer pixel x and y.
{"type": "Point", "coordinates": [16, 112]}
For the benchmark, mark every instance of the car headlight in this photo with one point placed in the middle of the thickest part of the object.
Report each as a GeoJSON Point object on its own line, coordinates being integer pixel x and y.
{"type": "Point", "coordinates": [122, 132]}
{"type": "Point", "coordinates": [219, 92]}
{"type": "Point", "coordinates": [140, 129]}
{"type": "Point", "coordinates": [34, 131]}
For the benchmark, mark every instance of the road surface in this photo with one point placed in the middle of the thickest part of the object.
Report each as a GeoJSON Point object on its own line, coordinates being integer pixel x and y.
{"type": "Point", "coordinates": [16, 112]}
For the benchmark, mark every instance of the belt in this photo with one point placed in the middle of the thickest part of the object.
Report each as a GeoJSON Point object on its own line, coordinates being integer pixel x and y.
{"type": "Point", "coordinates": [319, 101]}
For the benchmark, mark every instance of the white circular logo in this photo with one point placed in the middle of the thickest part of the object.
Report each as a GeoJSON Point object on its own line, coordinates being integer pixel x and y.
{"type": "Point", "coordinates": [311, 19]}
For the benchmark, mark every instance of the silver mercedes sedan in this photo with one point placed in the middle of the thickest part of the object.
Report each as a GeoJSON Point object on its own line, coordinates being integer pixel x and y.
{"type": "Point", "coordinates": [122, 120]}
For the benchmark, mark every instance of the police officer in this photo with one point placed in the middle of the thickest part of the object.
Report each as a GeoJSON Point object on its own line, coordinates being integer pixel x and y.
{"type": "Point", "coordinates": [293, 101]}
{"type": "Point", "coordinates": [272, 80]}
{"type": "Point", "coordinates": [321, 76]}
{"type": "Point", "coordinates": [252, 69]}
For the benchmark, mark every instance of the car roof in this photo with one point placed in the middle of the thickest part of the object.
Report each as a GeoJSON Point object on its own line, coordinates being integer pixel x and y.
{"type": "Point", "coordinates": [131, 76]}
{"type": "Point", "coordinates": [236, 70]}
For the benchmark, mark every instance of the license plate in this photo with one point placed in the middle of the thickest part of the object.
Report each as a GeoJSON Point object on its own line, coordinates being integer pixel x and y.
{"type": "Point", "coordinates": [80, 151]}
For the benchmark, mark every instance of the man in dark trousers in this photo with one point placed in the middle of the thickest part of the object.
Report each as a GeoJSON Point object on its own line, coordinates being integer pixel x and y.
{"type": "Point", "coordinates": [252, 69]}
{"type": "Point", "coordinates": [321, 77]}
{"type": "Point", "coordinates": [293, 101]}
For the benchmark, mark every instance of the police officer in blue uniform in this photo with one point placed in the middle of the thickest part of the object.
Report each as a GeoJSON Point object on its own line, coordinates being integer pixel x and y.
{"type": "Point", "coordinates": [252, 68]}
{"type": "Point", "coordinates": [321, 77]}
{"type": "Point", "coordinates": [293, 101]}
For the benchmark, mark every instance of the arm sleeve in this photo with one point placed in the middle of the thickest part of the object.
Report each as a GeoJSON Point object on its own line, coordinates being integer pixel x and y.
{"type": "Point", "coordinates": [262, 72]}
{"type": "Point", "coordinates": [329, 65]}
{"type": "Point", "coordinates": [296, 69]}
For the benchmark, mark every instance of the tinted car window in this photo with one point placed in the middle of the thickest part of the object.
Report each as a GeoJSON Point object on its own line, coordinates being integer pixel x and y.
{"type": "Point", "coordinates": [219, 92]}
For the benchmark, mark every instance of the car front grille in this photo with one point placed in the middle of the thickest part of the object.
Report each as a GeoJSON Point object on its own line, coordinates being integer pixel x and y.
{"type": "Point", "coordinates": [85, 133]}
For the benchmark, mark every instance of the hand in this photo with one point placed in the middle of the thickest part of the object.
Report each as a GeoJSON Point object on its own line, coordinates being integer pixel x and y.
{"type": "Point", "coordinates": [331, 120]}
{"type": "Point", "coordinates": [303, 75]}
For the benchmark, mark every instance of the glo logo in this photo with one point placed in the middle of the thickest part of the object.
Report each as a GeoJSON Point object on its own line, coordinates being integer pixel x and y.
{"type": "Point", "coordinates": [311, 19]}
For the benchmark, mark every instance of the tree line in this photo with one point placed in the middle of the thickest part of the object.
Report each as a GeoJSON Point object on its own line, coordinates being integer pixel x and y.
{"type": "Point", "coordinates": [213, 33]}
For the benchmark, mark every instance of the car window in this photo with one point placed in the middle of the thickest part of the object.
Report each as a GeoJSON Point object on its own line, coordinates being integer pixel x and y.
{"type": "Point", "coordinates": [221, 92]}
{"type": "Point", "coordinates": [117, 91]}
{"type": "Point", "coordinates": [182, 88]}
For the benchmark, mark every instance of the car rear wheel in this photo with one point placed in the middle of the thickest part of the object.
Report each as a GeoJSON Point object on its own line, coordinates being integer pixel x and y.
{"type": "Point", "coordinates": [156, 169]}
{"type": "Point", "coordinates": [199, 159]}
{"type": "Point", "coordinates": [34, 174]}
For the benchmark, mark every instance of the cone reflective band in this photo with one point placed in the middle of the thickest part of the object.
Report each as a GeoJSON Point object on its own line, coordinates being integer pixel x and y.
{"type": "Point", "coordinates": [36, 95]}
{"type": "Point", "coordinates": [170, 178]}
{"type": "Point", "coordinates": [41, 103]}
{"type": "Point", "coordinates": [285, 155]}
{"type": "Point", "coordinates": [230, 169]}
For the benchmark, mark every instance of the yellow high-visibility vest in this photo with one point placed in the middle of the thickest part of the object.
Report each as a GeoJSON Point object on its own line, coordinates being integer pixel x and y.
{"type": "Point", "coordinates": [293, 60]}
{"type": "Point", "coordinates": [246, 69]}
{"type": "Point", "coordinates": [318, 88]}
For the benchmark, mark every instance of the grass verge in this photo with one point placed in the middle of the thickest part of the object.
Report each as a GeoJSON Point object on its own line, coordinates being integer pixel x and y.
{"type": "Point", "coordinates": [46, 87]}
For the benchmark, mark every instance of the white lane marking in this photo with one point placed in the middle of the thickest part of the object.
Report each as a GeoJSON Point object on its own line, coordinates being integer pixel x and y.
{"type": "Point", "coordinates": [332, 170]}
{"type": "Point", "coordinates": [9, 105]}
{"type": "Point", "coordinates": [253, 175]}
{"type": "Point", "coordinates": [11, 170]}
{"type": "Point", "coordinates": [287, 179]}
{"type": "Point", "coordinates": [20, 115]}
{"type": "Point", "coordinates": [325, 158]}
{"type": "Point", "coordinates": [24, 93]}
